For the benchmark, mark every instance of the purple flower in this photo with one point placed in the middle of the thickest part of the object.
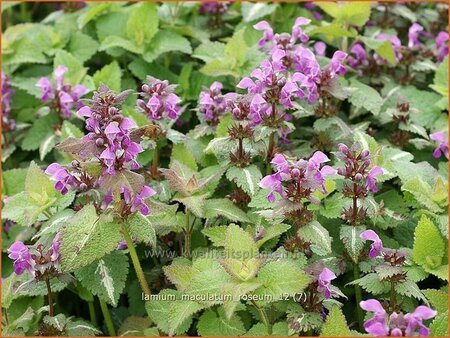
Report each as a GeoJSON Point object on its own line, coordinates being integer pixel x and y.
{"type": "Point", "coordinates": [396, 324]}
{"type": "Point", "coordinates": [376, 248]}
{"type": "Point", "coordinates": [320, 48]}
{"type": "Point", "coordinates": [161, 101]}
{"type": "Point", "coordinates": [297, 180]}
{"type": "Point", "coordinates": [20, 253]}
{"type": "Point", "coordinates": [357, 56]}
{"type": "Point", "coordinates": [8, 124]}
{"type": "Point", "coordinates": [371, 178]}
{"type": "Point", "coordinates": [137, 202]}
{"type": "Point", "coordinates": [336, 67]}
{"type": "Point", "coordinates": [441, 45]}
{"type": "Point", "coordinates": [414, 33]}
{"type": "Point", "coordinates": [377, 325]}
{"type": "Point", "coordinates": [268, 32]}
{"type": "Point", "coordinates": [63, 178]}
{"type": "Point", "coordinates": [414, 320]}
{"type": "Point", "coordinates": [442, 148]}
{"type": "Point", "coordinates": [212, 103]}
{"type": "Point", "coordinates": [62, 95]}
{"type": "Point", "coordinates": [214, 7]}
{"type": "Point", "coordinates": [324, 282]}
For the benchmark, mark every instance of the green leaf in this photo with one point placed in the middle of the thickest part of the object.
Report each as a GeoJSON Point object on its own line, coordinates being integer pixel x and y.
{"type": "Point", "coordinates": [335, 325]}
{"type": "Point", "coordinates": [236, 49]}
{"type": "Point", "coordinates": [429, 246]}
{"type": "Point", "coordinates": [142, 229]}
{"type": "Point", "coordinates": [75, 72]}
{"type": "Point", "coordinates": [180, 273]}
{"type": "Point", "coordinates": [82, 46]}
{"type": "Point", "coordinates": [247, 178]}
{"type": "Point", "coordinates": [438, 299]}
{"type": "Point", "coordinates": [182, 155]}
{"type": "Point", "coordinates": [13, 181]}
{"type": "Point", "coordinates": [372, 284]}
{"type": "Point", "coordinates": [235, 290]}
{"type": "Point", "coordinates": [142, 23]}
{"type": "Point", "coordinates": [423, 193]}
{"type": "Point", "coordinates": [110, 75]}
{"type": "Point", "coordinates": [114, 41]}
{"type": "Point", "coordinates": [206, 287]}
{"type": "Point", "coordinates": [38, 182]}
{"type": "Point", "coordinates": [216, 234]}
{"type": "Point", "coordinates": [92, 11]}
{"type": "Point", "coordinates": [365, 97]}
{"type": "Point", "coordinates": [351, 13]}
{"type": "Point", "coordinates": [254, 11]}
{"type": "Point", "coordinates": [211, 324]}
{"type": "Point", "coordinates": [196, 204]}
{"type": "Point", "coordinates": [382, 48]}
{"type": "Point", "coordinates": [410, 289]}
{"type": "Point", "coordinates": [352, 242]}
{"type": "Point", "coordinates": [87, 238]}
{"type": "Point", "coordinates": [282, 278]}
{"type": "Point", "coordinates": [439, 326]}
{"type": "Point", "coordinates": [47, 145]}
{"type": "Point", "coordinates": [316, 234]}
{"type": "Point", "coordinates": [68, 129]}
{"type": "Point", "coordinates": [224, 207]}
{"type": "Point", "coordinates": [41, 129]}
{"type": "Point", "coordinates": [166, 41]}
{"type": "Point", "coordinates": [440, 82]}
{"type": "Point", "coordinates": [106, 277]}
{"type": "Point", "coordinates": [209, 51]}
{"type": "Point", "coordinates": [271, 232]}
{"type": "Point", "coordinates": [81, 328]}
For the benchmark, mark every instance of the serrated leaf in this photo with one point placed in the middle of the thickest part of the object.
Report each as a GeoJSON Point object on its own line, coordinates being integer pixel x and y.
{"type": "Point", "coordinates": [110, 75]}
{"type": "Point", "coordinates": [181, 154]}
{"type": "Point", "coordinates": [142, 23]}
{"type": "Point", "coordinates": [211, 324]}
{"type": "Point", "coordinates": [41, 129]}
{"type": "Point", "coordinates": [166, 41]}
{"type": "Point", "coordinates": [236, 290]}
{"type": "Point", "coordinates": [209, 51]}
{"type": "Point", "coordinates": [239, 244]}
{"type": "Point", "coordinates": [196, 204]}
{"type": "Point", "coordinates": [365, 97]}
{"type": "Point", "coordinates": [372, 284]}
{"type": "Point", "coordinates": [271, 232]}
{"type": "Point", "coordinates": [82, 46]}
{"type": "Point", "coordinates": [410, 289]}
{"type": "Point", "coordinates": [180, 273]}
{"type": "Point", "coordinates": [247, 178]}
{"type": "Point", "coordinates": [438, 299]}
{"type": "Point", "coordinates": [216, 234]}
{"type": "Point", "coordinates": [439, 326]}
{"type": "Point", "coordinates": [87, 238]}
{"type": "Point", "coordinates": [352, 242]}
{"type": "Point", "coordinates": [13, 181]}
{"type": "Point", "coordinates": [206, 286]}
{"type": "Point", "coordinates": [336, 324]}
{"type": "Point", "coordinates": [81, 328]}
{"type": "Point", "coordinates": [142, 229]}
{"type": "Point", "coordinates": [315, 233]}
{"type": "Point", "coordinates": [429, 247]}
{"type": "Point", "coordinates": [106, 277]}
{"type": "Point", "coordinates": [281, 278]}
{"type": "Point", "coordinates": [224, 207]}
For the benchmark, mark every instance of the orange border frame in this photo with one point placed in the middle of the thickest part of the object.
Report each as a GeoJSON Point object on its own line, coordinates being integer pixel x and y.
{"type": "Point", "coordinates": [286, 1]}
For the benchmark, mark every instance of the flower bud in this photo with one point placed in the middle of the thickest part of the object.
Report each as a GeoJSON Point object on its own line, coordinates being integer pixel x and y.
{"type": "Point", "coordinates": [75, 163]}
{"type": "Point", "coordinates": [99, 142]}
{"type": "Point", "coordinates": [295, 172]}
{"type": "Point", "coordinates": [358, 177]}
{"type": "Point", "coordinates": [236, 111]}
{"type": "Point", "coordinates": [365, 153]}
{"type": "Point", "coordinates": [83, 186]}
{"type": "Point", "coordinates": [145, 88]}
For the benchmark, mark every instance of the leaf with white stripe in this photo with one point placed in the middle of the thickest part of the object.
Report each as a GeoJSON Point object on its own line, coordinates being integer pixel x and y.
{"type": "Point", "coordinates": [47, 145]}
{"type": "Point", "coordinates": [352, 242]}
{"type": "Point", "coordinates": [106, 277]}
{"type": "Point", "coordinates": [247, 178]}
{"type": "Point", "coordinates": [316, 234]}
{"type": "Point", "coordinates": [224, 207]}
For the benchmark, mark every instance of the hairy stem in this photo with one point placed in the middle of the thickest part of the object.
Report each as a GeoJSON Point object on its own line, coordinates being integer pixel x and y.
{"type": "Point", "coordinates": [358, 296]}
{"type": "Point", "coordinates": [270, 153]}
{"type": "Point", "coordinates": [51, 311]}
{"type": "Point", "coordinates": [135, 260]}
{"type": "Point", "coordinates": [92, 313]}
{"type": "Point", "coordinates": [264, 317]}
{"type": "Point", "coordinates": [393, 299]}
{"type": "Point", "coordinates": [155, 162]}
{"type": "Point", "coordinates": [187, 234]}
{"type": "Point", "coordinates": [107, 317]}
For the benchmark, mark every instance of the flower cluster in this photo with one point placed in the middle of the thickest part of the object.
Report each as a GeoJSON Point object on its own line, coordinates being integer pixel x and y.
{"type": "Point", "coordinates": [289, 55]}
{"type": "Point", "coordinates": [212, 103]}
{"type": "Point", "coordinates": [63, 96]}
{"type": "Point", "coordinates": [363, 180]}
{"type": "Point", "coordinates": [397, 324]}
{"type": "Point", "coordinates": [214, 7]}
{"type": "Point", "coordinates": [159, 100]}
{"type": "Point", "coordinates": [76, 179]}
{"type": "Point", "coordinates": [297, 180]}
{"type": "Point", "coordinates": [442, 148]}
{"type": "Point", "coordinates": [132, 203]}
{"type": "Point", "coordinates": [38, 261]}
{"type": "Point", "coordinates": [8, 124]}
{"type": "Point", "coordinates": [110, 132]}
{"type": "Point", "coordinates": [441, 43]}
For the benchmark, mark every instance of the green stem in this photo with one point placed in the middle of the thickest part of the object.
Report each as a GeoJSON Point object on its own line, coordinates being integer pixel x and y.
{"type": "Point", "coordinates": [264, 317]}
{"type": "Point", "coordinates": [155, 161]}
{"type": "Point", "coordinates": [92, 313]}
{"type": "Point", "coordinates": [393, 299]}
{"type": "Point", "coordinates": [106, 315]}
{"type": "Point", "coordinates": [135, 260]}
{"type": "Point", "coordinates": [270, 153]}
{"type": "Point", "coordinates": [187, 235]}
{"type": "Point", "coordinates": [358, 296]}
{"type": "Point", "coordinates": [51, 311]}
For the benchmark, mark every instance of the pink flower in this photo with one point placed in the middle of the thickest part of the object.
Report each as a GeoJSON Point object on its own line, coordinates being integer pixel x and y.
{"type": "Point", "coordinates": [442, 148]}
{"type": "Point", "coordinates": [371, 178]}
{"type": "Point", "coordinates": [20, 253]}
{"type": "Point", "coordinates": [324, 282]}
{"type": "Point", "coordinates": [413, 35]}
{"type": "Point", "coordinates": [376, 248]}
{"type": "Point", "coordinates": [442, 45]}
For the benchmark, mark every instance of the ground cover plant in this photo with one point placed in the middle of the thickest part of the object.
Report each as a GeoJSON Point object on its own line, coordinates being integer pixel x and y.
{"type": "Point", "coordinates": [205, 169]}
